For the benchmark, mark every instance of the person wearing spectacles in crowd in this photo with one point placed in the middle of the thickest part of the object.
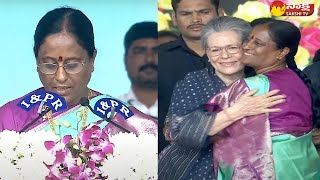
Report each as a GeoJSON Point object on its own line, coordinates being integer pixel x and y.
{"type": "Point", "coordinates": [65, 53]}
{"type": "Point", "coordinates": [230, 49]}
{"type": "Point", "coordinates": [190, 155]}
{"type": "Point", "coordinates": [177, 58]}
{"type": "Point", "coordinates": [274, 145]}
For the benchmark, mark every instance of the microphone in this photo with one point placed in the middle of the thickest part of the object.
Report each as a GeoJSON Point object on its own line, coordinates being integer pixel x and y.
{"type": "Point", "coordinates": [85, 102]}
{"type": "Point", "coordinates": [53, 101]}
{"type": "Point", "coordinates": [42, 113]}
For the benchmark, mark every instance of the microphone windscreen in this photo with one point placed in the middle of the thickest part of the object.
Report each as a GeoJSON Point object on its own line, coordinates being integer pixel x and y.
{"type": "Point", "coordinates": [84, 101]}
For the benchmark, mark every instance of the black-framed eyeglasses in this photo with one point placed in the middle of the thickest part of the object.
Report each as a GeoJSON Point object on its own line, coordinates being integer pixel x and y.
{"type": "Point", "coordinates": [230, 49]}
{"type": "Point", "coordinates": [70, 68]}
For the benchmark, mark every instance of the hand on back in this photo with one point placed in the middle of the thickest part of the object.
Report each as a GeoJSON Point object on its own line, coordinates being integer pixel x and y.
{"type": "Point", "coordinates": [249, 105]}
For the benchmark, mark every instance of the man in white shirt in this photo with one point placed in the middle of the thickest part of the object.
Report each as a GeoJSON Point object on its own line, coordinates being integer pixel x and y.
{"type": "Point", "coordinates": [141, 61]}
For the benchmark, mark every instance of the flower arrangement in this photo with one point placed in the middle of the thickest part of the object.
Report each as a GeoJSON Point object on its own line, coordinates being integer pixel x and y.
{"type": "Point", "coordinates": [92, 154]}
{"type": "Point", "coordinates": [309, 25]}
{"type": "Point", "coordinates": [20, 150]}
{"type": "Point", "coordinates": [95, 155]}
{"type": "Point", "coordinates": [252, 10]}
{"type": "Point", "coordinates": [79, 157]}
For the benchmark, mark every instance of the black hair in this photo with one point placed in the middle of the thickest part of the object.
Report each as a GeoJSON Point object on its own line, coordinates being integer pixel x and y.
{"type": "Point", "coordinates": [165, 33]}
{"type": "Point", "coordinates": [262, 20]}
{"type": "Point", "coordinates": [138, 31]}
{"type": "Point", "coordinates": [174, 4]}
{"type": "Point", "coordinates": [65, 19]}
{"type": "Point", "coordinates": [286, 34]}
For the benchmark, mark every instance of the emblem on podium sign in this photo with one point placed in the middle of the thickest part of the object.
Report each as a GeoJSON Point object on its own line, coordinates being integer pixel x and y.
{"type": "Point", "coordinates": [53, 100]}
{"type": "Point", "coordinates": [105, 105]}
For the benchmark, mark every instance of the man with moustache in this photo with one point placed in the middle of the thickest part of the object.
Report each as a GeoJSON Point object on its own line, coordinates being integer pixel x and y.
{"type": "Point", "coordinates": [186, 53]}
{"type": "Point", "coordinates": [141, 62]}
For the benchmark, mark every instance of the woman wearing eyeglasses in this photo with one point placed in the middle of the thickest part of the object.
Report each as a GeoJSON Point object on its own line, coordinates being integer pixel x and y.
{"type": "Point", "coordinates": [275, 145]}
{"type": "Point", "coordinates": [65, 54]}
{"type": "Point", "coordinates": [191, 128]}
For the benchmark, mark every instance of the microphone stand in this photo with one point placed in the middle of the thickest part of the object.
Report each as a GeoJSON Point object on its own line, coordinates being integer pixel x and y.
{"type": "Point", "coordinates": [35, 120]}
{"type": "Point", "coordinates": [85, 102]}
{"type": "Point", "coordinates": [109, 119]}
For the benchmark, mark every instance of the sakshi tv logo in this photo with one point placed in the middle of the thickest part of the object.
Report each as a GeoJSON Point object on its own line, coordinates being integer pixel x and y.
{"type": "Point", "coordinates": [278, 8]}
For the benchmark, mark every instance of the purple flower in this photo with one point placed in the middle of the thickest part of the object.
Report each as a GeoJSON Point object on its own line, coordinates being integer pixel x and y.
{"type": "Point", "coordinates": [80, 157]}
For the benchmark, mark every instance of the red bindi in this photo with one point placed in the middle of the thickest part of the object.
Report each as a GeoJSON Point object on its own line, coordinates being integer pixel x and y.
{"type": "Point", "coordinates": [60, 58]}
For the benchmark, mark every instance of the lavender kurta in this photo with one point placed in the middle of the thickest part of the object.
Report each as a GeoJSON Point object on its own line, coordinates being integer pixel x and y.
{"type": "Point", "coordinates": [246, 145]}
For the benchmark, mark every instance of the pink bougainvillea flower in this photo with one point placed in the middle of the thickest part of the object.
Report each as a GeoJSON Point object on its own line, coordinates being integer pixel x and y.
{"type": "Point", "coordinates": [310, 39]}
